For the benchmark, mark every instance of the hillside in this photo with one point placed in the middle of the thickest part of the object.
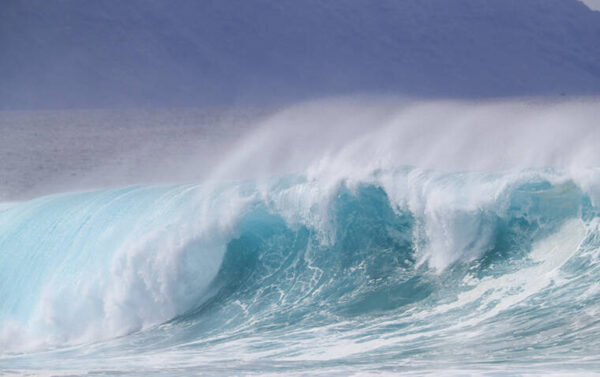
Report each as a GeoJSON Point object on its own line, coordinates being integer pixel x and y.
{"type": "Point", "coordinates": [109, 53]}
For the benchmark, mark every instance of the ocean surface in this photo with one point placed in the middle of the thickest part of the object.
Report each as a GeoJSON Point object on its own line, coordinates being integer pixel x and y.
{"type": "Point", "coordinates": [359, 252]}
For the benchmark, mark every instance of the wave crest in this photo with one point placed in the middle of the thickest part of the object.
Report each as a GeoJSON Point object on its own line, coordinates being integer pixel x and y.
{"type": "Point", "coordinates": [106, 263]}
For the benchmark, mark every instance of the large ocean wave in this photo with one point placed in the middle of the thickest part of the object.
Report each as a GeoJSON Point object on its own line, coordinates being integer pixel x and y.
{"type": "Point", "coordinates": [336, 268]}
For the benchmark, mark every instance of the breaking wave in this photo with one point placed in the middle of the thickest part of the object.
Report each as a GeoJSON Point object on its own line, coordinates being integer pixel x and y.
{"type": "Point", "coordinates": [365, 265]}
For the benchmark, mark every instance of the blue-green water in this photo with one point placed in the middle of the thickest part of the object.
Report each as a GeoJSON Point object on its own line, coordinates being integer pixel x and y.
{"type": "Point", "coordinates": [401, 271]}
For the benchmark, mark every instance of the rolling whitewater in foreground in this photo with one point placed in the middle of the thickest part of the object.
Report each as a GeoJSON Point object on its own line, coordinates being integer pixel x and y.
{"type": "Point", "coordinates": [332, 238]}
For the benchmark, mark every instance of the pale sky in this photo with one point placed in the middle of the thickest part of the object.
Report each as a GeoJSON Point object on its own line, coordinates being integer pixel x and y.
{"type": "Point", "coordinates": [593, 4]}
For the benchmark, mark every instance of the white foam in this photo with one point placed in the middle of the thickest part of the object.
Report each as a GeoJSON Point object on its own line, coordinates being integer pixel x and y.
{"type": "Point", "coordinates": [500, 293]}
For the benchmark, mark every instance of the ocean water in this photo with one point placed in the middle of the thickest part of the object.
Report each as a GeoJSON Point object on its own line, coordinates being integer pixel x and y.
{"type": "Point", "coordinates": [333, 268]}
{"type": "Point", "coordinates": [410, 270]}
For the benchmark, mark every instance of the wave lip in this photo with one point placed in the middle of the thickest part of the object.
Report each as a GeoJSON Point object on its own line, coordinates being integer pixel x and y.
{"type": "Point", "coordinates": [79, 267]}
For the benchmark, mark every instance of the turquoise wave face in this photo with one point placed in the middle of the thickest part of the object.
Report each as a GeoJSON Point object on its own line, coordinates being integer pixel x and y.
{"type": "Point", "coordinates": [386, 273]}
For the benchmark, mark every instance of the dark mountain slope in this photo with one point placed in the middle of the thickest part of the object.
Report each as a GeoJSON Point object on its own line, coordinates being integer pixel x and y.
{"type": "Point", "coordinates": [107, 53]}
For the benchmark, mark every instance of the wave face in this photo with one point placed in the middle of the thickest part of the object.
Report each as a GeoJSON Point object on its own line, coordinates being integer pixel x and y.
{"type": "Point", "coordinates": [385, 272]}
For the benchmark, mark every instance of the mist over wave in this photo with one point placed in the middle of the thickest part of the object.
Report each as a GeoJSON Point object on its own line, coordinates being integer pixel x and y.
{"type": "Point", "coordinates": [97, 149]}
{"type": "Point", "coordinates": [449, 135]}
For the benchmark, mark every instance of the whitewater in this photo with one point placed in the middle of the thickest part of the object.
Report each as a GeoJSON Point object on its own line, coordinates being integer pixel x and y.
{"type": "Point", "coordinates": [336, 237]}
